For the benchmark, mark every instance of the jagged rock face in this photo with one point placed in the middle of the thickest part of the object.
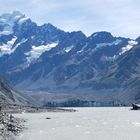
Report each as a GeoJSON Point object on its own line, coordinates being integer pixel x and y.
{"type": "Point", "coordinates": [45, 58]}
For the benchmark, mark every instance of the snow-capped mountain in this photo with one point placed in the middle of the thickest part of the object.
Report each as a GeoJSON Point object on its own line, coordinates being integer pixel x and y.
{"type": "Point", "coordinates": [8, 20]}
{"type": "Point", "coordinates": [45, 58]}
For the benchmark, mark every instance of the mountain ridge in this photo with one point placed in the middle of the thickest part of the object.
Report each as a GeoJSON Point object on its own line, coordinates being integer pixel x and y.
{"type": "Point", "coordinates": [47, 59]}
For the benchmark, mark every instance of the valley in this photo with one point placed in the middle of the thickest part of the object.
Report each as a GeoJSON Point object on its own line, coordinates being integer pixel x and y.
{"type": "Point", "coordinates": [69, 70]}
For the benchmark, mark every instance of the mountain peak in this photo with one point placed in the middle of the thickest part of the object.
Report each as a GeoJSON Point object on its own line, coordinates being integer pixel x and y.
{"type": "Point", "coordinates": [101, 37]}
{"type": "Point", "coordinates": [48, 26]}
{"type": "Point", "coordinates": [17, 13]}
{"type": "Point", "coordinates": [102, 33]}
{"type": "Point", "coordinates": [8, 20]}
{"type": "Point", "coordinates": [11, 16]}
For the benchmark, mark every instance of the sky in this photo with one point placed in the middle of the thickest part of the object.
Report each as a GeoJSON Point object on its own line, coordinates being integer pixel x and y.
{"type": "Point", "coordinates": [120, 17]}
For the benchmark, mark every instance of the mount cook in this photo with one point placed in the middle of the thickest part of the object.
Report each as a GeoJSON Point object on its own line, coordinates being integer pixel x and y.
{"type": "Point", "coordinates": [47, 59]}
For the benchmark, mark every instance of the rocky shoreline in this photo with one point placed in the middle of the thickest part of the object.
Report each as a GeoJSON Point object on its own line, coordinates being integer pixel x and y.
{"type": "Point", "coordinates": [10, 126]}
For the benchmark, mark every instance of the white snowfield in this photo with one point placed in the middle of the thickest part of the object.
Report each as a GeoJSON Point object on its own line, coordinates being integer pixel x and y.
{"type": "Point", "coordinates": [8, 47]}
{"type": "Point", "coordinates": [86, 124]}
{"type": "Point", "coordinates": [130, 45]}
{"type": "Point", "coordinates": [37, 51]}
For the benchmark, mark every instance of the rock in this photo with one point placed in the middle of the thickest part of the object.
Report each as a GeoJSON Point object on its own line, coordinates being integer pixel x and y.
{"type": "Point", "coordinates": [48, 118]}
{"type": "Point", "coordinates": [9, 126]}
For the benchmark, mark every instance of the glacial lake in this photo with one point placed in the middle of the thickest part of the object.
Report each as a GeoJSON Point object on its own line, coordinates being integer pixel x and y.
{"type": "Point", "coordinates": [112, 123]}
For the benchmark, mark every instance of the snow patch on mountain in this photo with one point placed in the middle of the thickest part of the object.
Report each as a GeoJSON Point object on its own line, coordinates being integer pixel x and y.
{"type": "Point", "coordinates": [22, 20]}
{"type": "Point", "coordinates": [6, 32]}
{"type": "Point", "coordinates": [82, 49]}
{"type": "Point", "coordinates": [101, 45]}
{"type": "Point", "coordinates": [68, 49]}
{"type": "Point", "coordinates": [7, 48]}
{"type": "Point", "coordinates": [116, 42]}
{"type": "Point", "coordinates": [108, 58]}
{"type": "Point", "coordinates": [130, 45]}
{"type": "Point", "coordinates": [37, 51]}
{"type": "Point", "coordinates": [18, 44]}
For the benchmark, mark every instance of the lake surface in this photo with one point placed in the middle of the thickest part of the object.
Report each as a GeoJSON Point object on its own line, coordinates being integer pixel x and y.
{"type": "Point", "coordinates": [85, 124]}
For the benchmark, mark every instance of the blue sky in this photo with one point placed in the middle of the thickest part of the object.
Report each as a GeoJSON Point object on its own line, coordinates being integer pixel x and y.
{"type": "Point", "coordinates": [120, 17]}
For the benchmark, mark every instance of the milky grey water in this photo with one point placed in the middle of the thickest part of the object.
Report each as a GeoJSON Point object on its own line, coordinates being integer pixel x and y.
{"type": "Point", "coordinates": [85, 124]}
